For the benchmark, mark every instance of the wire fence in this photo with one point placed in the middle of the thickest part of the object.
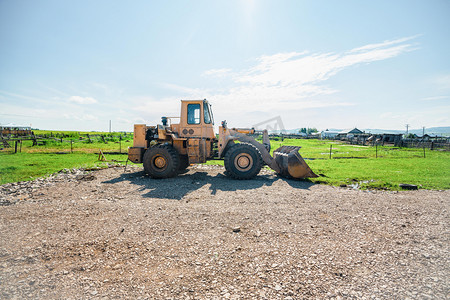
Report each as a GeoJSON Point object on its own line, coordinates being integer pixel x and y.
{"type": "Point", "coordinates": [312, 148]}
{"type": "Point", "coordinates": [342, 151]}
{"type": "Point", "coordinates": [51, 143]}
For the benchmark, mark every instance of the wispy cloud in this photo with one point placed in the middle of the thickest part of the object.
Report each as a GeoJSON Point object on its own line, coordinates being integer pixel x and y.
{"type": "Point", "coordinates": [434, 98]}
{"type": "Point", "coordinates": [217, 72]}
{"type": "Point", "coordinates": [82, 100]}
{"type": "Point", "coordinates": [190, 92]}
{"type": "Point", "coordinates": [385, 44]}
{"type": "Point", "coordinates": [83, 117]}
{"type": "Point", "coordinates": [149, 110]}
{"type": "Point", "coordinates": [24, 97]}
{"type": "Point", "coordinates": [293, 79]}
{"type": "Point", "coordinates": [443, 82]}
{"type": "Point", "coordinates": [435, 116]}
{"type": "Point", "coordinates": [55, 91]}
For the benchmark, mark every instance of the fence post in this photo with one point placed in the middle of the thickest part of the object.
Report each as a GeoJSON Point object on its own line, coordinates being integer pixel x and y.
{"type": "Point", "coordinates": [20, 146]}
{"type": "Point", "coordinates": [423, 151]}
{"type": "Point", "coordinates": [15, 147]}
{"type": "Point", "coordinates": [71, 149]}
{"type": "Point", "coordinates": [331, 146]}
{"type": "Point", "coordinates": [120, 144]}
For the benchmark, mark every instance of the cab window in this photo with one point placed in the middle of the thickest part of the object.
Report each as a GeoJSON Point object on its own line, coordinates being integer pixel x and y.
{"type": "Point", "coordinates": [193, 116]}
{"type": "Point", "coordinates": [206, 113]}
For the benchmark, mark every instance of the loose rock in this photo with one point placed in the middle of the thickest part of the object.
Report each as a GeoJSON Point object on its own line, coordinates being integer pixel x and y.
{"type": "Point", "coordinates": [123, 235]}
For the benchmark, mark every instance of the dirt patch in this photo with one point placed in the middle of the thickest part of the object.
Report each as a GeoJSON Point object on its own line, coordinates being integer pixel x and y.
{"type": "Point", "coordinates": [117, 234]}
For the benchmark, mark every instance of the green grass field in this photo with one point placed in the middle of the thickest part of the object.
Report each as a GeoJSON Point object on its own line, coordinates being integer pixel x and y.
{"type": "Point", "coordinates": [378, 167]}
{"type": "Point", "coordinates": [77, 146]}
{"type": "Point", "coordinates": [28, 166]}
{"type": "Point", "coordinates": [368, 167]}
{"type": "Point", "coordinates": [76, 142]}
{"type": "Point", "coordinates": [372, 167]}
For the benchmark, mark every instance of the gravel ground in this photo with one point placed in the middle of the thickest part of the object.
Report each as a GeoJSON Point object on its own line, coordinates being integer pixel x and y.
{"type": "Point", "coordinates": [113, 234]}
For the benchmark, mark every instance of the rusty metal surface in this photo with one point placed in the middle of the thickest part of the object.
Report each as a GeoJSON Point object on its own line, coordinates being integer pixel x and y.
{"type": "Point", "coordinates": [292, 163]}
{"type": "Point", "coordinates": [265, 155]}
{"type": "Point", "coordinates": [135, 154]}
{"type": "Point", "coordinates": [286, 161]}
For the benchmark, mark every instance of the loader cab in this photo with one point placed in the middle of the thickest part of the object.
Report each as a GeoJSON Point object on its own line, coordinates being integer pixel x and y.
{"type": "Point", "coordinates": [196, 119]}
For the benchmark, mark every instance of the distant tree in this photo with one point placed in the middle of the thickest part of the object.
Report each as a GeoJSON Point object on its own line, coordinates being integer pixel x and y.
{"type": "Point", "coordinates": [311, 130]}
{"type": "Point", "coordinates": [303, 130]}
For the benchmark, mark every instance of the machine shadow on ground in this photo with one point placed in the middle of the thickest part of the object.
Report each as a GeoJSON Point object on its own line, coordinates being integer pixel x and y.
{"type": "Point", "coordinates": [176, 188]}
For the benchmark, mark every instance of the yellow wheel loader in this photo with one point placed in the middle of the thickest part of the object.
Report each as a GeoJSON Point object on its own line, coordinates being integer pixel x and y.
{"type": "Point", "coordinates": [169, 148]}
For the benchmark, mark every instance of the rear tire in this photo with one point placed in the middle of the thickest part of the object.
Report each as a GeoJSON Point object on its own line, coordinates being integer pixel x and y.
{"type": "Point", "coordinates": [242, 161]}
{"type": "Point", "coordinates": [161, 161]}
{"type": "Point", "coordinates": [184, 163]}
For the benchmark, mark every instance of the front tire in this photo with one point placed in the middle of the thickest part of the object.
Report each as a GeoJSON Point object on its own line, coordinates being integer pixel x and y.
{"type": "Point", "coordinates": [243, 161]}
{"type": "Point", "coordinates": [161, 161]}
{"type": "Point", "coordinates": [184, 163]}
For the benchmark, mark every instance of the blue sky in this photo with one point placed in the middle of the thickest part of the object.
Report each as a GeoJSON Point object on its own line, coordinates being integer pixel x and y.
{"type": "Point", "coordinates": [75, 65]}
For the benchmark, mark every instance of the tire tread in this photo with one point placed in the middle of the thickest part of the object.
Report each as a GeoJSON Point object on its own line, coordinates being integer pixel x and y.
{"type": "Point", "coordinates": [173, 164]}
{"type": "Point", "coordinates": [229, 161]}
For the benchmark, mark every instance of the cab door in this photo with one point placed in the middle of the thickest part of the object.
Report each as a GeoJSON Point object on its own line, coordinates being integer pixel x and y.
{"type": "Point", "coordinates": [196, 119]}
{"type": "Point", "coordinates": [191, 121]}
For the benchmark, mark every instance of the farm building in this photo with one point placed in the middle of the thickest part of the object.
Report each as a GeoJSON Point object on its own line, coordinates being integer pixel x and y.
{"type": "Point", "coordinates": [389, 138]}
{"type": "Point", "coordinates": [12, 129]}
{"type": "Point", "coordinates": [429, 137]}
{"type": "Point", "coordinates": [327, 134]}
{"type": "Point", "coordinates": [349, 132]}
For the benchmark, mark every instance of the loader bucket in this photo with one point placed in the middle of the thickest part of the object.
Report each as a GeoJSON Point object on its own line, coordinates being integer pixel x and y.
{"type": "Point", "coordinates": [291, 163]}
